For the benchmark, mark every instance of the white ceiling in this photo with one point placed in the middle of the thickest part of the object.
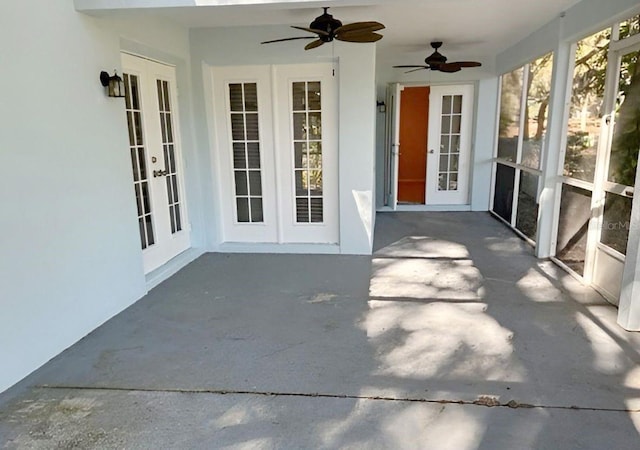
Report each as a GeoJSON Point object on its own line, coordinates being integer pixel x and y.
{"type": "Point", "coordinates": [470, 29]}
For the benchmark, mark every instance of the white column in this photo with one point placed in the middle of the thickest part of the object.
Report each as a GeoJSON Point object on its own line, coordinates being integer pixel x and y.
{"type": "Point", "coordinates": [357, 109]}
{"type": "Point", "coordinates": [483, 143]}
{"type": "Point", "coordinates": [554, 152]}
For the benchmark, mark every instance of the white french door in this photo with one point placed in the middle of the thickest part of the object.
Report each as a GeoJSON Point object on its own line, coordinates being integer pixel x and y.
{"type": "Point", "coordinates": [154, 145]}
{"type": "Point", "coordinates": [276, 141]}
{"type": "Point", "coordinates": [449, 144]}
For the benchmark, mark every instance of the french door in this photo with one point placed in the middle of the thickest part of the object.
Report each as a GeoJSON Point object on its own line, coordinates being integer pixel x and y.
{"type": "Point", "coordinates": [448, 145]}
{"type": "Point", "coordinates": [154, 145]}
{"type": "Point", "coordinates": [276, 140]}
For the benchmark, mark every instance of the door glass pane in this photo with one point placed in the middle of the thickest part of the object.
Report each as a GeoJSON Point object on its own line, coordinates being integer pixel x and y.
{"type": "Point", "coordinates": [299, 125]}
{"type": "Point", "coordinates": [168, 144]}
{"type": "Point", "coordinates": [138, 160]}
{"type": "Point", "coordinates": [616, 222]}
{"type": "Point", "coordinates": [527, 213]}
{"type": "Point", "coordinates": [253, 155]}
{"type": "Point", "coordinates": [314, 155]}
{"type": "Point", "coordinates": [235, 97]}
{"type": "Point", "coordinates": [302, 209]}
{"type": "Point", "coordinates": [535, 121]}
{"type": "Point", "coordinates": [573, 227]}
{"type": "Point", "coordinates": [583, 130]}
{"type": "Point", "coordinates": [242, 205]}
{"type": "Point", "coordinates": [626, 133]}
{"type": "Point", "coordinates": [313, 95]}
{"type": "Point", "coordinates": [239, 156]}
{"type": "Point", "coordinates": [247, 176]}
{"type": "Point", "coordinates": [449, 136]}
{"type": "Point", "coordinates": [252, 127]}
{"type": "Point", "coordinates": [316, 210]}
{"type": "Point", "coordinates": [509, 127]}
{"type": "Point", "coordinates": [250, 91]}
{"type": "Point", "coordinates": [307, 150]}
{"type": "Point", "coordinates": [503, 196]}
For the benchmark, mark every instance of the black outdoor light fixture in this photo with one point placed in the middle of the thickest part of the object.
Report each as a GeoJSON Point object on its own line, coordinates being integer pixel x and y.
{"type": "Point", "coordinates": [113, 83]}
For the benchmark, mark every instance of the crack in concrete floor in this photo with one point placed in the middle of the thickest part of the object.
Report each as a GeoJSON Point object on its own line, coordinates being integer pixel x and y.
{"type": "Point", "coordinates": [483, 400]}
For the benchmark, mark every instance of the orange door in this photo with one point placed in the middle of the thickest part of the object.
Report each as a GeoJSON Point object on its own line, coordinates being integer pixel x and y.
{"type": "Point", "coordinates": [412, 165]}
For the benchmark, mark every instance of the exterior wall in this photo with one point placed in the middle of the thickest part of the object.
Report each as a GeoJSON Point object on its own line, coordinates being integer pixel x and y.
{"type": "Point", "coordinates": [355, 70]}
{"type": "Point", "coordinates": [70, 248]}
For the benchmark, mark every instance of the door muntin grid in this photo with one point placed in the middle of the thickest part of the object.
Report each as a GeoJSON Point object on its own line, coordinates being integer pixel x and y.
{"type": "Point", "coordinates": [245, 138]}
{"type": "Point", "coordinates": [169, 153]}
{"type": "Point", "coordinates": [139, 160]}
{"type": "Point", "coordinates": [306, 116]}
{"type": "Point", "coordinates": [450, 131]}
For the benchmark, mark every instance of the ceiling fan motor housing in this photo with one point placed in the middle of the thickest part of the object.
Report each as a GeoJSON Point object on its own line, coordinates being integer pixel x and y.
{"type": "Point", "coordinates": [436, 58]}
{"type": "Point", "coordinates": [326, 23]}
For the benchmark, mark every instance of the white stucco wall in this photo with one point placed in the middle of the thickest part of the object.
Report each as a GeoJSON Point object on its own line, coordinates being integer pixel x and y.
{"type": "Point", "coordinates": [70, 250]}
{"type": "Point", "coordinates": [355, 70]}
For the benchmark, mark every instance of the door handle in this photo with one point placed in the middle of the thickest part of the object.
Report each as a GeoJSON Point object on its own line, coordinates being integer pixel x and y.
{"type": "Point", "coordinates": [159, 173]}
{"type": "Point", "coordinates": [432, 151]}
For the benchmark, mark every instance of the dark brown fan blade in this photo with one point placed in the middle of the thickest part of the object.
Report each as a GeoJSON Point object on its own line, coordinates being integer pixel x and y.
{"type": "Point", "coordinates": [314, 44]}
{"type": "Point", "coordinates": [359, 37]}
{"type": "Point", "coordinates": [311, 30]}
{"type": "Point", "coordinates": [467, 63]}
{"type": "Point", "coordinates": [288, 39]}
{"type": "Point", "coordinates": [359, 27]}
{"type": "Point", "coordinates": [411, 67]}
{"type": "Point", "coordinates": [447, 67]}
{"type": "Point", "coordinates": [415, 70]}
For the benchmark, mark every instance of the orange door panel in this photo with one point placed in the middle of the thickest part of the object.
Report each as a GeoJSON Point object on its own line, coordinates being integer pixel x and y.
{"type": "Point", "coordinates": [412, 165]}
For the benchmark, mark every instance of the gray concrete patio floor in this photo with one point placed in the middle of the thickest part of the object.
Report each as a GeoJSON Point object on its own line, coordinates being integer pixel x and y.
{"type": "Point", "coordinates": [452, 336]}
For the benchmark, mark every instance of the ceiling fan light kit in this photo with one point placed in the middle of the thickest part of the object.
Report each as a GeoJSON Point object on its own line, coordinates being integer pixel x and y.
{"type": "Point", "coordinates": [326, 29]}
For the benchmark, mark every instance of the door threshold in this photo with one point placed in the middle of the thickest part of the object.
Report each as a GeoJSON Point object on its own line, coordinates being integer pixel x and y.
{"type": "Point", "coordinates": [425, 208]}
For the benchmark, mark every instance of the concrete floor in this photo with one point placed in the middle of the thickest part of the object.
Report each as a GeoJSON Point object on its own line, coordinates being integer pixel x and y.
{"type": "Point", "coordinates": [453, 336]}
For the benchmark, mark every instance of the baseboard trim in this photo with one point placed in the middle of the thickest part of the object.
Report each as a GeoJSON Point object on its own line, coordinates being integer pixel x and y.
{"type": "Point", "coordinates": [157, 276]}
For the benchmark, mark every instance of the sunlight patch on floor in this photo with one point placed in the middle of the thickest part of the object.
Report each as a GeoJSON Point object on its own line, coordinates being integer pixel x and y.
{"type": "Point", "coordinates": [539, 288]}
{"type": "Point", "coordinates": [424, 247]}
{"type": "Point", "coordinates": [425, 278]}
{"type": "Point", "coordinates": [608, 356]}
{"type": "Point", "coordinates": [440, 340]}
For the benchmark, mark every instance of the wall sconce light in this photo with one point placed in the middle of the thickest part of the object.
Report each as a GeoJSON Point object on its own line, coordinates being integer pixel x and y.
{"type": "Point", "coordinates": [114, 84]}
{"type": "Point", "coordinates": [381, 106]}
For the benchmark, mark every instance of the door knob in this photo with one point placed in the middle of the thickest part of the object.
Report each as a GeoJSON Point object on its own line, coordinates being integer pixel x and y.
{"type": "Point", "coordinates": [432, 151]}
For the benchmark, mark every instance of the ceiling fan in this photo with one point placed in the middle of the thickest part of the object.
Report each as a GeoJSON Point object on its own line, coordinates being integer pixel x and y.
{"type": "Point", "coordinates": [437, 61]}
{"type": "Point", "coordinates": [326, 29]}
